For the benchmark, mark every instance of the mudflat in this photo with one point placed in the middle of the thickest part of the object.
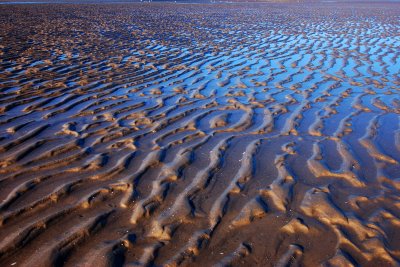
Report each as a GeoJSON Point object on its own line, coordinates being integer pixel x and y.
{"type": "Point", "coordinates": [164, 134]}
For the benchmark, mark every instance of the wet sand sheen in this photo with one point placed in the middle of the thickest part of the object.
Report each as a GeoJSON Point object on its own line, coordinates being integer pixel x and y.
{"type": "Point", "coordinates": [200, 135]}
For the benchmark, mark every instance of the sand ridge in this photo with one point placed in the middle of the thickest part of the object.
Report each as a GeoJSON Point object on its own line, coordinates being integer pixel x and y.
{"type": "Point", "coordinates": [162, 134]}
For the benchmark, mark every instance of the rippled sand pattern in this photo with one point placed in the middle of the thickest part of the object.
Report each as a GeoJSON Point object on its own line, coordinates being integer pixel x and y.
{"type": "Point", "coordinates": [200, 135]}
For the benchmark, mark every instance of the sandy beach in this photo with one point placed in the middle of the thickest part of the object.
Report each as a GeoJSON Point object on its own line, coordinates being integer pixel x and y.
{"type": "Point", "coordinates": [162, 134]}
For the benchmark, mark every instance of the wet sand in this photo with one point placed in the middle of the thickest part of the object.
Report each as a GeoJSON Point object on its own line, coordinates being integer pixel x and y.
{"type": "Point", "coordinates": [200, 135]}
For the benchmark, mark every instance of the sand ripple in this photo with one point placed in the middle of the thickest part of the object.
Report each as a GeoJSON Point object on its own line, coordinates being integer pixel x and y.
{"type": "Point", "coordinates": [162, 134]}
